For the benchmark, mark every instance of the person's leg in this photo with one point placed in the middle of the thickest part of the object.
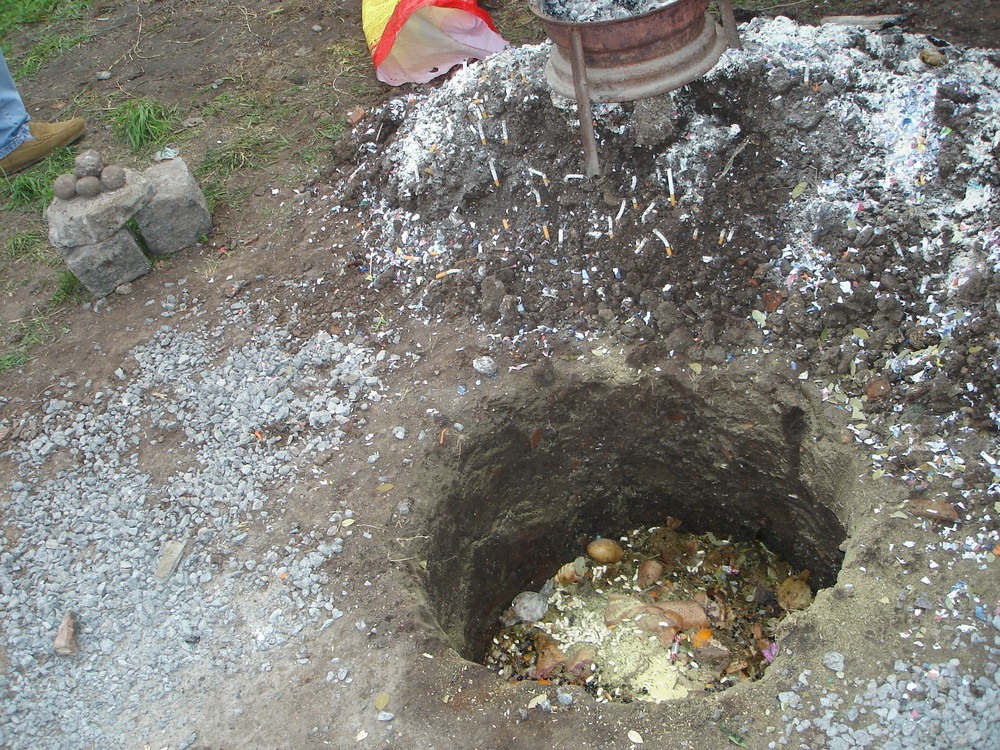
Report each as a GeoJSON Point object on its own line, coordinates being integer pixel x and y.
{"type": "Point", "coordinates": [22, 142]}
{"type": "Point", "coordinates": [14, 129]}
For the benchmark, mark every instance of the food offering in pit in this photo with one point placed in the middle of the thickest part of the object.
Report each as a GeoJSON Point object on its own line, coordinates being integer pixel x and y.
{"type": "Point", "coordinates": [658, 616]}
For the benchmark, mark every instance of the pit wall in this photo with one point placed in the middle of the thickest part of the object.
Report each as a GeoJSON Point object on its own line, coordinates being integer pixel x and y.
{"type": "Point", "coordinates": [742, 451]}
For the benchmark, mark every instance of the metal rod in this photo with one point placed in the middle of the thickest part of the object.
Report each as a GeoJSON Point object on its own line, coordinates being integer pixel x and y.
{"type": "Point", "coordinates": [583, 108]}
{"type": "Point", "coordinates": [729, 24]}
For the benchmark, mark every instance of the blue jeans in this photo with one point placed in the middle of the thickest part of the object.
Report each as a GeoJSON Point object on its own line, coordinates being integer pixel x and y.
{"type": "Point", "coordinates": [13, 116]}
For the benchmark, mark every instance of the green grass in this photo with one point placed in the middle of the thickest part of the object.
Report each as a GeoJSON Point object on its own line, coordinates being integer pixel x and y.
{"type": "Point", "coordinates": [14, 13]}
{"type": "Point", "coordinates": [32, 189]}
{"type": "Point", "coordinates": [49, 47]}
{"type": "Point", "coordinates": [29, 245]}
{"type": "Point", "coordinates": [247, 151]}
{"type": "Point", "coordinates": [68, 289]}
{"type": "Point", "coordinates": [25, 335]}
{"type": "Point", "coordinates": [143, 122]}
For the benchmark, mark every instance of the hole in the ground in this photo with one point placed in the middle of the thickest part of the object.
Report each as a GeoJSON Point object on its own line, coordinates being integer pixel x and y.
{"type": "Point", "coordinates": [743, 456]}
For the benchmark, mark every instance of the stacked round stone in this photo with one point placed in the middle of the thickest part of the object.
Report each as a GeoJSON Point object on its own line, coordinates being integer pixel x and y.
{"type": "Point", "coordinates": [89, 178]}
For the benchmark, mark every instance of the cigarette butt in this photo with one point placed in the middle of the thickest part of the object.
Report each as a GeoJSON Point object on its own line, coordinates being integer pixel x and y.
{"type": "Point", "coordinates": [669, 251]}
{"type": "Point", "coordinates": [722, 236]}
{"type": "Point", "coordinates": [440, 275]}
{"type": "Point", "coordinates": [496, 181]}
{"type": "Point", "coordinates": [545, 230]}
{"type": "Point", "coordinates": [506, 224]}
{"type": "Point", "coordinates": [673, 200]}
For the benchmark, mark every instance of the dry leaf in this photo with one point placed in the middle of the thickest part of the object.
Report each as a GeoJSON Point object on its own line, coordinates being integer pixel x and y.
{"type": "Point", "coordinates": [385, 487]}
{"type": "Point", "coordinates": [381, 701]}
{"type": "Point", "coordinates": [347, 522]}
{"type": "Point", "coordinates": [635, 737]}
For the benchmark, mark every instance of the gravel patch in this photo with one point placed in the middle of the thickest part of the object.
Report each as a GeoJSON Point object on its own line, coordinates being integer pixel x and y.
{"type": "Point", "coordinates": [238, 422]}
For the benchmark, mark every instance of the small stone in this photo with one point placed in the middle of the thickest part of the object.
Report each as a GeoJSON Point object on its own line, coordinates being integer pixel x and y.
{"type": "Point", "coordinates": [355, 116]}
{"type": "Point", "coordinates": [933, 57]}
{"type": "Point", "coordinates": [170, 556]}
{"type": "Point", "coordinates": [399, 432]}
{"type": "Point", "coordinates": [112, 177]}
{"type": "Point", "coordinates": [530, 606]}
{"type": "Point", "coordinates": [123, 289]}
{"type": "Point", "coordinates": [88, 163]}
{"type": "Point", "coordinates": [877, 388]}
{"type": "Point", "coordinates": [103, 75]}
{"type": "Point", "coordinates": [88, 187]}
{"type": "Point", "coordinates": [317, 28]}
{"type": "Point", "coordinates": [385, 716]}
{"type": "Point", "coordinates": [65, 187]}
{"type": "Point", "coordinates": [485, 365]}
{"type": "Point", "coordinates": [834, 661]}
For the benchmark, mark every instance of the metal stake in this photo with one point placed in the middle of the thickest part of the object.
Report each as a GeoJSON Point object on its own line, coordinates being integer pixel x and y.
{"type": "Point", "coordinates": [583, 107]}
{"type": "Point", "coordinates": [729, 24]}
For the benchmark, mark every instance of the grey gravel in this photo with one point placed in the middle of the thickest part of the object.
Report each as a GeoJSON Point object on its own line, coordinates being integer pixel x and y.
{"type": "Point", "coordinates": [138, 636]}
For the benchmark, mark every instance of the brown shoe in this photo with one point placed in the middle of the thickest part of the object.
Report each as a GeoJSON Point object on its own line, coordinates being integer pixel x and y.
{"type": "Point", "coordinates": [47, 137]}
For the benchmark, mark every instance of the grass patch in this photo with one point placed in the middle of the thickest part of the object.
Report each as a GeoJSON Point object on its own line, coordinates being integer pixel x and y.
{"type": "Point", "coordinates": [15, 13]}
{"type": "Point", "coordinates": [250, 109]}
{"type": "Point", "coordinates": [68, 289]}
{"type": "Point", "coordinates": [246, 151]}
{"type": "Point", "coordinates": [32, 189]}
{"type": "Point", "coordinates": [49, 47]}
{"type": "Point", "coordinates": [25, 335]}
{"type": "Point", "coordinates": [143, 122]}
{"type": "Point", "coordinates": [26, 244]}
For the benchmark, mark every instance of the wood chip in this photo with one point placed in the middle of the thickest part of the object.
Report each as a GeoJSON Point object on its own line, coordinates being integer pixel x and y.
{"type": "Point", "coordinates": [933, 509]}
{"type": "Point", "coordinates": [65, 642]}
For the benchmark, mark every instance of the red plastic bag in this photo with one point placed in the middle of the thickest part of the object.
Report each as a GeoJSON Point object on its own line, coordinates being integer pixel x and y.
{"type": "Point", "coordinates": [417, 40]}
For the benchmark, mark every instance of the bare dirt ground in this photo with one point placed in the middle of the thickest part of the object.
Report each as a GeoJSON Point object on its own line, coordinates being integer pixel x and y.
{"type": "Point", "coordinates": [235, 66]}
{"type": "Point", "coordinates": [196, 55]}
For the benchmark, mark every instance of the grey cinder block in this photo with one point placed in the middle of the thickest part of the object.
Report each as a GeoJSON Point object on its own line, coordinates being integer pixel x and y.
{"type": "Point", "coordinates": [103, 266]}
{"type": "Point", "coordinates": [87, 221]}
{"type": "Point", "coordinates": [177, 214]}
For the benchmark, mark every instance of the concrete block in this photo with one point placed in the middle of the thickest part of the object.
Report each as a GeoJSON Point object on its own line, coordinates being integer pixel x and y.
{"type": "Point", "coordinates": [103, 266]}
{"type": "Point", "coordinates": [88, 221]}
{"type": "Point", "coordinates": [177, 214]}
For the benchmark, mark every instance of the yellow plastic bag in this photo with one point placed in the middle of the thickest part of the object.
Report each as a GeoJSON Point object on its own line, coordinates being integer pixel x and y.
{"type": "Point", "coordinates": [417, 40]}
